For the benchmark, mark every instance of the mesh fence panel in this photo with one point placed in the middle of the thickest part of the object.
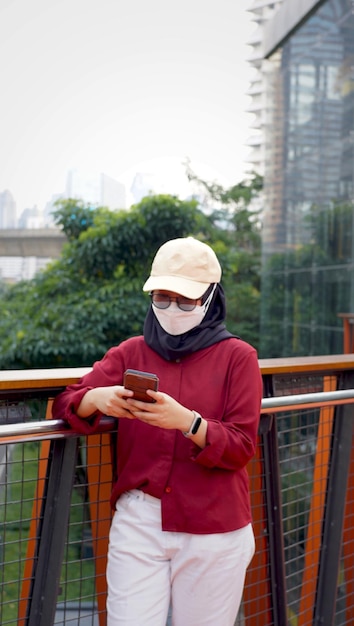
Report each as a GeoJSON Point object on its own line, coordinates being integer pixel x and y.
{"type": "Point", "coordinates": [304, 440]}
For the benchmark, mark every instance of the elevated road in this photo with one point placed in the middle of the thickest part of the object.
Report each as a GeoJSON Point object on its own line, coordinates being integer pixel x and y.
{"type": "Point", "coordinates": [37, 242]}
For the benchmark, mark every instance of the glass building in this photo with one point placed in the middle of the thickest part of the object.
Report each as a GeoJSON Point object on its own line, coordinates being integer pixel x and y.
{"type": "Point", "coordinates": [308, 226]}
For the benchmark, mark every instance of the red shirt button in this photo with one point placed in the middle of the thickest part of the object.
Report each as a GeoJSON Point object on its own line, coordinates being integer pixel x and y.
{"type": "Point", "coordinates": [168, 489]}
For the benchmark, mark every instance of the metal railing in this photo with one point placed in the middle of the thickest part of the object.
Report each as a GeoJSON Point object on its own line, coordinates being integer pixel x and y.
{"type": "Point", "coordinates": [55, 516]}
{"type": "Point", "coordinates": [58, 429]}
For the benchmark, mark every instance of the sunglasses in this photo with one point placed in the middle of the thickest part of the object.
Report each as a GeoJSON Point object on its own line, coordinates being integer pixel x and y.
{"type": "Point", "coordinates": [163, 301]}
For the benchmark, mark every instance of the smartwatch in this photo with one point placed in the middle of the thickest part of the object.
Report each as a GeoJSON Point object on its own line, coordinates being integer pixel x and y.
{"type": "Point", "coordinates": [194, 427]}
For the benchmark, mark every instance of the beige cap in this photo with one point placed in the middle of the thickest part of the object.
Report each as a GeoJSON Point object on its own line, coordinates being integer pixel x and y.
{"type": "Point", "coordinates": [186, 266]}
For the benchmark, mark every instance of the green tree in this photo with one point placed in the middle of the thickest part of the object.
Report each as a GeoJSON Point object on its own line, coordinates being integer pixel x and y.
{"type": "Point", "coordinates": [235, 234]}
{"type": "Point", "coordinates": [73, 216]}
{"type": "Point", "coordinates": [91, 298]}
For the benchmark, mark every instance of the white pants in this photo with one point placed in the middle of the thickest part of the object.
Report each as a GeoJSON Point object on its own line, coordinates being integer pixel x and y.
{"type": "Point", "coordinates": [201, 575]}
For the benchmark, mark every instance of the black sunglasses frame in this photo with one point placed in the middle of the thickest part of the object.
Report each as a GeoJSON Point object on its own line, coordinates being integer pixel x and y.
{"type": "Point", "coordinates": [183, 303]}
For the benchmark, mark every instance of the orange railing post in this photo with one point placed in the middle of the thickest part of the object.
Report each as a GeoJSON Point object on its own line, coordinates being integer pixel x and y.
{"type": "Point", "coordinates": [99, 473]}
{"type": "Point", "coordinates": [33, 531]}
{"type": "Point", "coordinates": [314, 526]}
{"type": "Point", "coordinates": [257, 595]}
{"type": "Point", "coordinates": [348, 541]}
{"type": "Point", "coordinates": [348, 332]}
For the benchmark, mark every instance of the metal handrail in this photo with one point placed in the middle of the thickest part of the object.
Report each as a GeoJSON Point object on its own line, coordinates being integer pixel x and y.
{"type": "Point", "coordinates": [277, 404]}
{"type": "Point", "coordinates": [59, 429]}
{"type": "Point", "coordinates": [46, 429]}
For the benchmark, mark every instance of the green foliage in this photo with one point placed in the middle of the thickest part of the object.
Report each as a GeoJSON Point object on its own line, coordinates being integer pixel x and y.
{"type": "Point", "coordinates": [68, 326]}
{"type": "Point", "coordinates": [91, 298]}
{"type": "Point", "coordinates": [234, 234]}
{"type": "Point", "coordinates": [71, 313]}
{"type": "Point", "coordinates": [240, 194]}
{"type": "Point", "coordinates": [73, 216]}
{"type": "Point", "coordinates": [128, 239]}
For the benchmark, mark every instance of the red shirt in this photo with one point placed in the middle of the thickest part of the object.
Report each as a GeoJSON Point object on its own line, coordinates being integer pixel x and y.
{"type": "Point", "coordinates": [201, 490]}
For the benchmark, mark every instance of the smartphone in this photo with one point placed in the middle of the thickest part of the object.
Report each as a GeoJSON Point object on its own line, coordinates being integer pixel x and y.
{"type": "Point", "coordinates": [139, 382]}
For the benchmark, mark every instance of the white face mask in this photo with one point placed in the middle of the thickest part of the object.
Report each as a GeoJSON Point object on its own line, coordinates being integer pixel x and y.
{"type": "Point", "coordinates": [176, 322]}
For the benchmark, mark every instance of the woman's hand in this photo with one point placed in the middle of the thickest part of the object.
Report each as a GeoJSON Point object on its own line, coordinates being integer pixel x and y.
{"type": "Point", "coordinates": [167, 413]}
{"type": "Point", "coordinates": [107, 400]}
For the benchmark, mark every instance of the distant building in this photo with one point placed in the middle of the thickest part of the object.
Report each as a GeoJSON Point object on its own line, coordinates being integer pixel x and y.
{"type": "Point", "coordinates": [13, 268]}
{"type": "Point", "coordinates": [143, 185]}
{"type": "Point", "coordinates": [262, 11]}
{"type": "Point", "coordinates": [7, 210]}
{"type": "Point", "coordinates": [30, 218]}
{"type": "Point", "coordinates": [83, 187]}
{"type": "Point", "coordinates": [112, 193]}
{"type": "Point", "coordinates": [49, 208]}
{"type": "Point", "coordinates": [98, 190]}
{"type": "Point", "coordinates": [308, 218]}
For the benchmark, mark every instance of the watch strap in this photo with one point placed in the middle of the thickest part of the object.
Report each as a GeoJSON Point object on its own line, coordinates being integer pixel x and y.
{"type": "Point", "coordinates": [194, 427]}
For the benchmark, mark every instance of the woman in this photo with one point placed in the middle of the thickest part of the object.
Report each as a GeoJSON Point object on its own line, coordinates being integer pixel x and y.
{"type": "Point", "coordinates": [181, 531]}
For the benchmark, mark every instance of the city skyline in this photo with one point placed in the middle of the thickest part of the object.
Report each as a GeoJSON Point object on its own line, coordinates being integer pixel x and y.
{"type": "Point", "coordinates": [121, 89]}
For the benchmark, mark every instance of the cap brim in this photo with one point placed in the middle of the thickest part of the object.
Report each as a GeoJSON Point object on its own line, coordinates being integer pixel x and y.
{"type": "Point", "coordinates": [183, 286]}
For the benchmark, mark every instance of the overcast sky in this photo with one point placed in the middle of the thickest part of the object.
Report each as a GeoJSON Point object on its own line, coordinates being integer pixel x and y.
{"type": "Point", "coordinates": [120, 86]}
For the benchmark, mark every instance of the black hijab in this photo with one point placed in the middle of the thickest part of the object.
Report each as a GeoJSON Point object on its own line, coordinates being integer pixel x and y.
{"type": "Point", "coordinates": [211, 330]}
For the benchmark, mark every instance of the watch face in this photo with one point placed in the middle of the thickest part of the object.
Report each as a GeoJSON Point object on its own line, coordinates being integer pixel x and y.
{"type": "Point", "coordinates": [196, 425]}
